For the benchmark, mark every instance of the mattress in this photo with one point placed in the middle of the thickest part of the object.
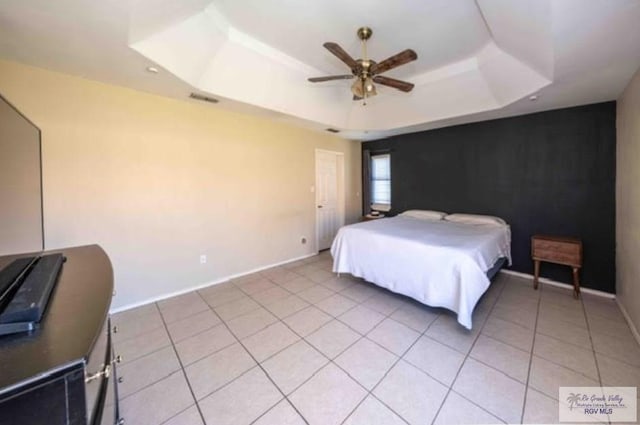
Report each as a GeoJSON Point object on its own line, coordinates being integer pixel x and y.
{"type": "Point", "coordinates": [438, 263]}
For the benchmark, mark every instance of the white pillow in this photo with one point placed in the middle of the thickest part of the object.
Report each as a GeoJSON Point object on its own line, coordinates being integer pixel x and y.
{"type": "Point", "coordinates": [475, 219]}
{"type": "Point", "coordinates": [425, 214]}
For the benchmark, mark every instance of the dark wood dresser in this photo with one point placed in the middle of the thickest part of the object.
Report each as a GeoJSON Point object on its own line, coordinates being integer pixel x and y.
{"type": "Point", "coordinates": [64, 372]}
{"type": "Point", "coordinates": [559, 250]}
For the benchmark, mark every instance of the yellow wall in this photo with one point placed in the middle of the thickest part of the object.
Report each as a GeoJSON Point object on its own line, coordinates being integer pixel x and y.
{"type": "Point", "coordinates": [158, 181]}
{"type": "Point", "coordinates": [628, 200]}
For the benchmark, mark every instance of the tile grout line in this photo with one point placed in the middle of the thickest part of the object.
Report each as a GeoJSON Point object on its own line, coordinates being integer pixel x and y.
{"type": "Point", "coordinates": [265, 306]}
{"type": "Point", "coordinates": [146, 386]}
{"type": "Point", "coordinates": [567, 342]}
{"type": "Point", "coordinates": [593, 348]}
{"type": "Point", "coordinates": [505, 342]}
{"type": "Point", "coordinates": [562, 319]}
{"type": "Point", "coordinates": [533, 343]}
{"type": "Point", "coordinates": [128, 362]}
{"type": "Point", "coordinates": [179, 413]}
{"type": "Point", "coordinates": [469, 352]}
{"type": "Point", "coordinates": [171, 344]}
{"type": "Point", "coordinates": [497, 370]}
{"type": "Point", "coordinates": [633, 366]}
{"type": "Point", "coordinates": [258, 364]}
{"type": "Point", "coordinates": [261, 306]}
{"type": "Point", "coordinates": [388, 316]}
{"type": "Point", "coordinates": [186, 365]}
{"type": "Point", "coordinates": [331, 361]}
{"type": "Point", "coordinates": [480, 361]}
{"type": "Point", "coordinates": [222, 322]}
{"type": "Point", "coordinates": [184, 372]}
{"type": "Point", "coordinates": [450, 388]}
{"type": "Point", "coordinates": [579, 347]}
{"type": "Point", "coordinates": [129, 338]}
{"type": "Point", "coordinates": [422, 334]}
{"type": "Point", "coordinates": [370, 392]}
{"type": "Point", "coordinates": [361, 336]}
{"type": "Point", "coordinates": [357, 303]}
{"type": "Point", "coordinates": [475, 404]}
{"type": "Point", "coordinates": [271, 324]}
{"type": "Point", "coordinates": [589, 332]}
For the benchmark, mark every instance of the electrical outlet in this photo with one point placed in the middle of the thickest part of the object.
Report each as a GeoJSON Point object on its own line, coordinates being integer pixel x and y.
{"type": "Point", "coordinates": [303, 241]}
{"type": "Point", "coordinates": [203, 259]}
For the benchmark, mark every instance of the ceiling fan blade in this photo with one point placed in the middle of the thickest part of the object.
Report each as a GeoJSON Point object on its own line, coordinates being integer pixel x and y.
{"type": "Point", "coordinates": [394, 61]}
{"type": "Point", "coordinates": [341, 54]}
{"type": "Point", "coordinates": [392, 82]}
{"type": "Point", "coordinates": [330, 78]}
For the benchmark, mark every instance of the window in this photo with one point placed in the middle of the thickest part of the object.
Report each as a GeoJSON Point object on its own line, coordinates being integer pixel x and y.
{"type": "Point", "coordinates": [381, 182]}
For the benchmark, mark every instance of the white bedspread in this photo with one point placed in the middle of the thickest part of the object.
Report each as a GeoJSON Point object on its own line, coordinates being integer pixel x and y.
{"type": "Point", "coordinates": [438, 263]}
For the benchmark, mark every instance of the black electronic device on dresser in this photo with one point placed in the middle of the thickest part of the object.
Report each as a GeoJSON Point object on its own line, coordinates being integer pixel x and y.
{"type": "Point", "coordinates": [63, 370]}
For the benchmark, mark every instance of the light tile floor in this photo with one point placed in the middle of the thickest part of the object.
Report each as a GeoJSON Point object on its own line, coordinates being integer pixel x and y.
{"type": "Point", "coordinates": [296, 344]}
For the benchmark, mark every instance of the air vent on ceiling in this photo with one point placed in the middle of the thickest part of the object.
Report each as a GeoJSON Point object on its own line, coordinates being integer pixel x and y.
{"type": "Point", "coordinates": [332, 130]}
{"type": "Point", "coordinates": [203, 98]}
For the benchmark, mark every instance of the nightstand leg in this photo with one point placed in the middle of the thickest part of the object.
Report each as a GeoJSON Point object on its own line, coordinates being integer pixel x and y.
{"type": "Point", "coordinates": [536, 273]}
{"type": "Point", "coordinates": [576, 283]}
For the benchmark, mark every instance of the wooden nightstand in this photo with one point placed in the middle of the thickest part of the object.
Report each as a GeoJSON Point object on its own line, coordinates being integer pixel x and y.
{"type": "Point", "coordinates": [372, 217]}
{"type": "Point", "coordinates": [558, 250]}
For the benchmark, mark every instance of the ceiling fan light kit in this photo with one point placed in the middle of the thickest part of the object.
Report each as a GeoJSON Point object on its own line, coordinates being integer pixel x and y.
{"type": "Point", "coordinates": [367, 71]}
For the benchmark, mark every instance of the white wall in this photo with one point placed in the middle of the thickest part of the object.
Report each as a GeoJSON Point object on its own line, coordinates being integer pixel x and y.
{"type": "Point", "coordinates": [628, 200]}
{"type": "Point", "coordinates": [158, 182]}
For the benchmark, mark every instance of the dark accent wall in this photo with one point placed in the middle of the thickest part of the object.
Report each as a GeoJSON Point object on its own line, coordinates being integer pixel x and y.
{"type": "Point", "coordinates": [550, 172]}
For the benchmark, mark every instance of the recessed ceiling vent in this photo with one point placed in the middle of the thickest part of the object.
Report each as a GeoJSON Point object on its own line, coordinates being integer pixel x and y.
{"type": "Point", "coordinates": [203, 98]}
{"type": "Point", "coordinates": [333, 130]}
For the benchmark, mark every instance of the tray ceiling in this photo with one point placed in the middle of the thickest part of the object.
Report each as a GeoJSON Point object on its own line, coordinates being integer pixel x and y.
{"type": "Point", "coordinates": [476, 59]}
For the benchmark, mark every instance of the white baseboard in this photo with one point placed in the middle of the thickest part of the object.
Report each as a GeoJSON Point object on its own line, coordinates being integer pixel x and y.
{"type": "Point", "coordinates": [561, 284]}
{"type": "Point", "coordinates": [204, 285]}
{"type": "Point", "coordinates": [632, 326]}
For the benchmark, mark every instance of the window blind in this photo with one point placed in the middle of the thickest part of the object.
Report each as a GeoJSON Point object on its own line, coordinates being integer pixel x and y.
{"type": "Point", "coordinates": [381, 179]}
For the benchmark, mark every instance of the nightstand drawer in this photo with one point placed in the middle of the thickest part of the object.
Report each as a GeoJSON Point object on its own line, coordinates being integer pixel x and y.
{"type": "Point", "coordinates": [557, 257]}
{"type": "Point", "coordinates": [542, 245]}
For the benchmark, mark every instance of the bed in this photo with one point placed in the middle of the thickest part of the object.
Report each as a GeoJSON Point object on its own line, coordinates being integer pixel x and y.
{"type": "Point", "coordinates": [437, 262]}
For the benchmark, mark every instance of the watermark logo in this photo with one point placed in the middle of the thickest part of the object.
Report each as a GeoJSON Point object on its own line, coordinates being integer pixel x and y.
{"type": "Point", "coordinates": [597, 404]}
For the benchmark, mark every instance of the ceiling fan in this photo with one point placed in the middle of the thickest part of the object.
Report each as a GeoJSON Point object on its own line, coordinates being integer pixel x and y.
{"type": "Point", "coordinates": [367, 71]}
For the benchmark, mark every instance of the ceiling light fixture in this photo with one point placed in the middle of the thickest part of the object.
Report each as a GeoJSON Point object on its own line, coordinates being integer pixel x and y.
{"type": "Point", "coordinates": [366, 71]}
{"type": "Point", "coordinates": [533, 97]}
{"type": "Point", "coordinates": [152, 69]}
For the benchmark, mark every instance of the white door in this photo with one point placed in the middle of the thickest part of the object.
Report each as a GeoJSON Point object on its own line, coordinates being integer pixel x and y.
{"type": "Point", "coordinates": [329, 197]}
